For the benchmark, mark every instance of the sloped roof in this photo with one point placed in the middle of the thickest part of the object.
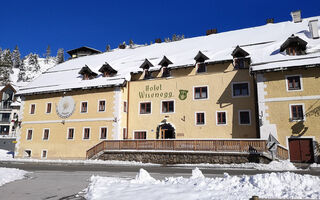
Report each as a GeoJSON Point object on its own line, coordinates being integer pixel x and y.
{"type": "Point", "coordinates": [263, 43]}
{"type": "Point", "coordinates": [83, 48]}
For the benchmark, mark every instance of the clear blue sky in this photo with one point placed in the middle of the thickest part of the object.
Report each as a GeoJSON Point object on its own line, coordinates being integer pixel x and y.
{"type": "Point", "coordinates": [68, 24]}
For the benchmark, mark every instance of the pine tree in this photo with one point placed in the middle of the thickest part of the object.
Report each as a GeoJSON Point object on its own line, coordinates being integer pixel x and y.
{"type": "Point", "coordinates": [174, 37]}
{"type": "Point", "coordinates": [48, 52]}
{"type": "Point", "coordinates": [108, 48]}
{"type": "Point", "coordinates": [16, 61]}
{"type": "Point", "coordinates": [131, 44]}
{"type": "Point", "coordinates": [60, 56]}
{"type": "Point", "coordinates": [33, 62]}
{"type": "Point", "coordinates": [22, 73]}
{"type": "Point", "coordinates": [5, 66]}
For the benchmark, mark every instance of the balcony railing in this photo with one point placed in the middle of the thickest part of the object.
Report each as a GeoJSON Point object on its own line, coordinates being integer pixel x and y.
{"type": "Point", "coordinates": [5, 105]}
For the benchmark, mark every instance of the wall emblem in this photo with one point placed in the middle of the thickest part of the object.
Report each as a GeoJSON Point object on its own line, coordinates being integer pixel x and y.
{"type": "Point", "coordinates": [183, 94]}
{"type": "Point", "coordinates": [65, 107]}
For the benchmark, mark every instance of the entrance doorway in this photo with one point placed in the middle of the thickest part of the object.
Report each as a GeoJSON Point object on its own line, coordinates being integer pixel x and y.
{"type": "Point", "coordinates": [301, 150]}
{"type": "Point", "coordinates": [166, 131]}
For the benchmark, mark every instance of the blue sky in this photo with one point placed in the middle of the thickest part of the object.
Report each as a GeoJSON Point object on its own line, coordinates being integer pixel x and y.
{"type": "Point", "coordinates": [33, 25]}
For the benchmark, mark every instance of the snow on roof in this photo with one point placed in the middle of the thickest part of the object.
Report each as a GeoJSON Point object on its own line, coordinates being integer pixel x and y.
{"type": "Point", "coordinates": [262, 43]}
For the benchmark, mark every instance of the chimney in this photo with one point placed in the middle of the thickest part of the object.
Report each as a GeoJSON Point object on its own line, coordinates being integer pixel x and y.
{"type": "Point", "coordinates": [313, 28]}
{"type": "Point", "coordinates": [270, 21]}
{"type": "Point", "coordinates": [211, 31]}
{"type": "Point", "coordinates": [296, 16]}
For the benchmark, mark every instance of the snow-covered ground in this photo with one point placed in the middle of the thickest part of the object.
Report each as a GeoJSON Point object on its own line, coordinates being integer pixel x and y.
{"type": "Point", "coordinates": [10, 174]}
{"type": "Point", "coordinates": [269, 185]}
{"type": "Point", "coordinates": [4, 155]}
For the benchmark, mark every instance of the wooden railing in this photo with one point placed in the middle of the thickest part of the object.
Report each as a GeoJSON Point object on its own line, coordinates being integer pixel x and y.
{"type": "Point", "coordinates": [282, 153]}
{"type": "Point", "coordinates": [181, 145]}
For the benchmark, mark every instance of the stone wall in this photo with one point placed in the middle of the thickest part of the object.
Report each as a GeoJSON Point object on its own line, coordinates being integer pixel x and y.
{"type": "Point", "coordinates": [183, 157]}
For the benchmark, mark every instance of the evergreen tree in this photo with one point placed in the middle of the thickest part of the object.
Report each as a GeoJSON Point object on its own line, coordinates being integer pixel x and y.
{"type": "Point", "coordinates": [33, 62]}
{"type": "Point", "coordinates": [22, 73]}
{"type": "Point", "coordinates": [108, 48]}
{"type": "Point", "coordinates": [60, 56]}
{"type": "Point", "coordinates": [5, 66]}
{"type": "Point", "coordinates": [48, 52]}
{"type": "Point", "coordinates": [174, 37]}
{"type": "Point", "coordinates": [16, 61]}
{"type": "Point", "coordinates": [131, 44]}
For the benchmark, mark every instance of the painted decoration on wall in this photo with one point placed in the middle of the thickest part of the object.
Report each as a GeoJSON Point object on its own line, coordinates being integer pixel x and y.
{"type": "Point", "coordinates": [65, 107]}
{"type": "Point", "coordinates": [183, 94]}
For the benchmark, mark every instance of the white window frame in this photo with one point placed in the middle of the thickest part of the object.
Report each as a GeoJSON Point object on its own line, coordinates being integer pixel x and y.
{"type": "Point", "coordinates": [219, 111]}
{"type": "Point", "coordinates": [35, 108]}
{"type": "Point", "coordinates": [195, 118]}
{"type": "Point", "coordinates": [74, 131]}
{"type": "Point", "coordinates": [249, 117]}
{"type": "Point", "coordinates": [134, 135]}
{"type": "Point", "coordinates": [140, 107]}
{"type": "Point", "coordinates": [174, 106]}
{"type": "Point", "coordinates": [105, 105]}
{"type": "Point", "coordinates": [43, 134]}
{"type": "Point", "coordinates": [242, 96]}
{"type": "Point", "coordinates": [81, 107]}
{"type": "Point", "coordinates": [84, 132]}
{"type": "Point", "coordinates": [198, 86]}
{"type": "Point", "coordinates": [31, 135]}
{"type": "Point", "coordinates": [100, 132]}
{"type": "Point", "coordinates": [287, 85]}
{"type": "Point", "coordinates": [46, 108]}
{"type": "Point", "coordinates": [42, 150]}
{"type": "Point", "coordinates": [303, 111]}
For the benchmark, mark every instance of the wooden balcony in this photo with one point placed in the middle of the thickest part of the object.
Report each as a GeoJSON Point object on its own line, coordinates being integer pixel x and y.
{"type": "Point", "coordinates": [233, 145]}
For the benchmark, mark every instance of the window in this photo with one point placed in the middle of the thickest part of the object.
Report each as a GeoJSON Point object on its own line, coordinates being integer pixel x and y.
{"type": "Point", "coordinates": [84, 107]}
{"type": "Point", "coordinates": [201, 92]}
{"type": "Point", "coordinates": [292, 51]}
{"type": "Point", "coordinates": [244, 118]}
{"type": "Point", "coordinates": [200, 118]}
{"type": "Point", "coordinates": [49, 105]}
{"type": "Point", "coordinates": [147, 74]}
{"type": "Point", "coordinates": [221, 118]}
{"type": "Point", "coordinates": [239, 63]}
{"type": "Point", "coordinates": [294, 82]}
{"type": "Point", "coordinates": [45, 134]}
{"type": "Point", "coordinates": [240, 89]}
{"type": "Point", "coordinates": [165, 72]}
{"type": "Point", "coordinates": [201, 68]}
{"type": "Point", "coordinates": [125, 109]}
{"type": "Point", "coordinates": [27, 153]}
{"type": "Point", "coordinates": [103, 133]}
{"type": "Point", "coordinates": [32, 108]}
{"type": "Point", "coordinates": [167, 106]}
{"type": "Point", "coordinates": [86, 133]}
{"type": "Point", "coordinates": [145, 108]}
{"type": "Point", "coordinates": [139, 135]}
{"type": "Point", "coordinates": [297, 112]}
{"type": "Point", "coordinates": [125, 133]}
{"type": "Point", "coordinates": [44, 154]}
{"type": "Point", "coordinates": [70, 133]}
{"type": "Point", "coordinates": [102, 105]}
{"type": "Point", "coordinates": [29, 134]}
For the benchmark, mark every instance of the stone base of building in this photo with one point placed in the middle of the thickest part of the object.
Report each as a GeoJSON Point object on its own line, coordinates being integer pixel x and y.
{"type": "Point", "coordinates": [184, 157]}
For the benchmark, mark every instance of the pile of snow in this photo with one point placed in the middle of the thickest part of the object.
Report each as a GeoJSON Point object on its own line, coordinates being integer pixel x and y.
{"type": "Point", "coordinates": [269, 185]}
{"type": "Point", "coordinates": [4, 155]}
{"type": "Point", "coordinates": [10, 174]}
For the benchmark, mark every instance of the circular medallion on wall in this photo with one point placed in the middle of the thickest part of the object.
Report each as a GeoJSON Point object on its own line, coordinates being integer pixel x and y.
{"type": "Point", "coordinates": [65, 107]}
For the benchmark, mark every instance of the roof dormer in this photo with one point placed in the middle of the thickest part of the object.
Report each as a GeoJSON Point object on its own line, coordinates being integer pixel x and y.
{"type": "Point", "coordinates": [241, 59]}
{"type": "Point", "coordinates": [238, 52]}
{"type": "Point", "coordinates": [200, 57]}
{"type": "Point", "coordinates": [146, 66]}
{"type": "Point", "coordinates": [165, 62]}
{"type": "Point", "coordinates": [82, 51]}
{"type": "Point", "coordinates": [294, 46]}
{"type": "Point", "coordinates": [86, 73]}
{"type": "Point", "coordinates": [107, 70]}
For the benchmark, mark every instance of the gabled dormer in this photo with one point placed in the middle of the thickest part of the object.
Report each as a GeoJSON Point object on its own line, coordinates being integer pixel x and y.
{"type": "Point", "coordinates": [200, 65]}
{"type": "Point", "coordinates": [294, 46]}
{"type": "Point", "coordinates": [107, 70]}
{"type": "Point", "coordinates": [86, 73]}
{"type": "Point", "coordinates": [146, 66]}
{"type": "Point", "coordinates": [241, 59]}
{"type": "Point", "coordinates": [165, 62]}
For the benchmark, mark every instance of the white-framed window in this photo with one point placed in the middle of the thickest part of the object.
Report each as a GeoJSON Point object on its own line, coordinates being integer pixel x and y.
{"type": "Point", "coordinates": [29, 134]}
{"type": "Point", "coordinates": [294, 83]}
{"type": "Point", "coordinates": [103, 133]}
{"type": "Point", "coordinates": [240, 89]}
{"type": "Point", "coordinates": [200, 92]}
{"type": "Point", "coordinates": [102, 105]}
{"type": "Point", "coordinates": [145, 107]}
{"type": "Point", "coordinates": [46, 133]}
{"type": "Point", "coordinates": [44, 153]}
{"type": "Point", "coordinates": [200, 118]}
{"type": "Point", "coordinates": [84, 107]}
{"type": "Point", "coordinates": [70, 133]}
{"type": "Point", "coordinates": [244, 117]}
{"type": "Point", "coordinates": [86, 133]}
{"type": "Point", "coordinates": [140, 135]}
{"type": "Point", "coordinates": [167, 106]}
{"type": "Point", "coordinates": [32, 108]}
{"type": "Point", "coordinates": [221, 117]}
{"type": "Point", "coordinates": [48, 108]}
{"type": "Point", "coordinates": [297, 112]}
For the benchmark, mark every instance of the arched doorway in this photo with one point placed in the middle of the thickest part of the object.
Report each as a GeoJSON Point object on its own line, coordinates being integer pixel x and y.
{"type": "Point", "coordinates": [166, 131]}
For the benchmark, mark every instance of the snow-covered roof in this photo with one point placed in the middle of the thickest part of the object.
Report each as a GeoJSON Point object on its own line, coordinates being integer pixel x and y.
{"type": "Point", "coordinates": [262, 43]}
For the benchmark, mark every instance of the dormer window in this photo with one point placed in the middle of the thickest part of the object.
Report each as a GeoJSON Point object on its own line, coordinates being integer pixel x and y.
{"type": "Point", "coordinates": [107, 70]}
{"type": "Point", "coordinates": [86, 73]}
{"type": "Point", "coordinates": [146, 66]}
{"type": "Point", "coordinates": [165, 62]}
{"type": "Point", "coordinates": [240, 58]}
{"type": "Point", "coordinates": [294, 46]}
{"type": "Point", "coordinates": [200, 59]}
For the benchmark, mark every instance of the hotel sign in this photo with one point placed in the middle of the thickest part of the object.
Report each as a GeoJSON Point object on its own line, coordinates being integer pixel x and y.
{"type": "Point", "coordinates": [154, 91]}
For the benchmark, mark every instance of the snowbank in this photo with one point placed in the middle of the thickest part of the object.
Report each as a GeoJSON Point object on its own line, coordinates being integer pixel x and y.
{"type": "Point", "coordinates": [270, 185]}
{"type": "Point", "coordinates": [4, 155]}
{"type": "Point", "coordinates": [10, 174]}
